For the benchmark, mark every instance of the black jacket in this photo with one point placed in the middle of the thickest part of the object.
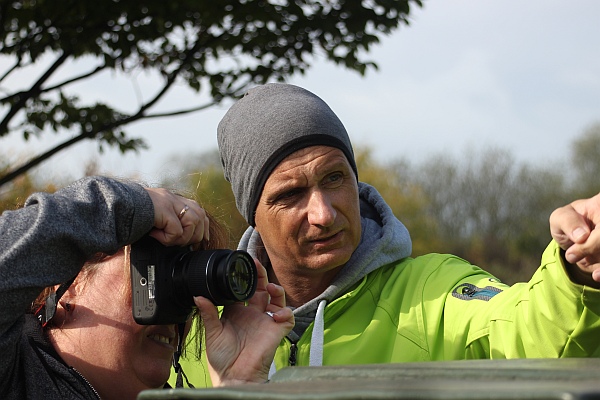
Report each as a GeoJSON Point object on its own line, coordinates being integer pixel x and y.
{"type": "Point", "coordinates": [39, 372]}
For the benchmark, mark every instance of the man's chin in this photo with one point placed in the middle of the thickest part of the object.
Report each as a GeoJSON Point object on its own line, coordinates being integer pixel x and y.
{"type": "Point", "coordinates": [328, 261]}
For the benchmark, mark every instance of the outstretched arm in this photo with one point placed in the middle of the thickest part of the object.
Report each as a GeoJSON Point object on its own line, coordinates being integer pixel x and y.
{"type": "Point", "coordinates": [240, 346]}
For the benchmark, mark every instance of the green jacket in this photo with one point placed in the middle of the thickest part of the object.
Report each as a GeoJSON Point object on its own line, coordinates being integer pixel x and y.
{"type": "Point", "coordinates": [440, 307]}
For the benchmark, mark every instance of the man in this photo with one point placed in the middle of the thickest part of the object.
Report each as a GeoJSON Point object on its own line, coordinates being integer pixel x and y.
{"type": "Point", "coordinates": [344, 259]}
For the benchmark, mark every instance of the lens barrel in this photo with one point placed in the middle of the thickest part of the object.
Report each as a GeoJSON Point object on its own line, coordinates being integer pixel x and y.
{"type": "Point", "coordinates": [222, 276]}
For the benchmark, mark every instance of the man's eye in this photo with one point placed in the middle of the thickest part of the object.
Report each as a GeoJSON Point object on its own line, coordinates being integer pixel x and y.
{"type": "Point", "coordinates": [287, 195]}
{"type": "Point", "coordinates": [334, 179]}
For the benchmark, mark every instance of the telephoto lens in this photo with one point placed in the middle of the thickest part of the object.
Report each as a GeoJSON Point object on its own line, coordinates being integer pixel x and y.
{"type": "Point", "coordinates": [222, 276]}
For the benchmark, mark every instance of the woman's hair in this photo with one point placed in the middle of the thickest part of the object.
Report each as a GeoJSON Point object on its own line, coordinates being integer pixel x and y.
{"type": "Point", "coordinates": [218, 239]}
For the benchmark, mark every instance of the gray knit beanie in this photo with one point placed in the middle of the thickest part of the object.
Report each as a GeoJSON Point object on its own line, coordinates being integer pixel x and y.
{"type": "Point", "coordinates": [265, 126]}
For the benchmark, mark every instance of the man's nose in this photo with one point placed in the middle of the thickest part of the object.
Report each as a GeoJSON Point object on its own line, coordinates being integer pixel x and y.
{"type": "Point", "coordinates": [320, 210]}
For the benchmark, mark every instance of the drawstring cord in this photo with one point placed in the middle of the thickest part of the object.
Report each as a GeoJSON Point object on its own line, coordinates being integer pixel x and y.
{"type": "Point", "coordinates": [316, 340]}
{"type": "Point", "coordinates": [272, 369]}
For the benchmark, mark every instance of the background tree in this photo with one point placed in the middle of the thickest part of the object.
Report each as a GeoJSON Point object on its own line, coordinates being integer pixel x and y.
{"type": "Point", "coordinates": [13, 195]}
{"type": "Point", "coordinates": [585, 160]}
{"type": "Point", "coordinates": [221, 46]}
{"type": "Point", "coordinates": [490, 210]}
{"type": "Point", "coordinates": [404, 195]}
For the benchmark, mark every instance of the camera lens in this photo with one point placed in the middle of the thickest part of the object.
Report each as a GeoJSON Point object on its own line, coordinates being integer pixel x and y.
{"type": "Point", "coordinates": [222, 276]}
{"type": "Point", "coordinates": [240, 277]}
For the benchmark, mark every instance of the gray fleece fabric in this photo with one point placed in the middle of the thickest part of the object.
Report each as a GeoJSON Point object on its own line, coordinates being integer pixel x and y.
{"type": "Point", "coordinates": [384, 239]}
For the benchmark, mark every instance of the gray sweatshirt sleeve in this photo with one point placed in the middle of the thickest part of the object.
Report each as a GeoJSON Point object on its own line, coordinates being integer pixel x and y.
{"type": "Point", "coordinates": [48, 240]}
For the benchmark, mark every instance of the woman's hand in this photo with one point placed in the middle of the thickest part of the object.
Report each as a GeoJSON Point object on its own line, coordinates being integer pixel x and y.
{"type": "Point", "coordinates": [240, 346]}
{"type": "Point", "coordinates": [177, 220]}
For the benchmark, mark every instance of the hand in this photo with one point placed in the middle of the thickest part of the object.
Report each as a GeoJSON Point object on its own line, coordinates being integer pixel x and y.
{"type": "Point", "coordinates": [177, 220]}
{"type": "Point", "coordinates": [574, 229]}
{"type": "Point", "coordinates": [241, 345]}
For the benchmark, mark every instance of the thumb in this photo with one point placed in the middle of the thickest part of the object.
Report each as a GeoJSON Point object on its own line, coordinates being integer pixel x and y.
{"type": "Point", "coordinates": [209, 315]}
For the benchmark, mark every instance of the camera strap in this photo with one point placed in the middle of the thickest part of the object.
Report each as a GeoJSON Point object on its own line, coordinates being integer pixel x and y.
{"type": "Point", "coordinates": [176, 355]}
{"type": "Point", "coordinates": [47, 310]}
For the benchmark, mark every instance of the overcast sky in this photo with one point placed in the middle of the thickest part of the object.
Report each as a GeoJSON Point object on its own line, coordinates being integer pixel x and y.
{"type": "Point", "coordinates": [514, 74]}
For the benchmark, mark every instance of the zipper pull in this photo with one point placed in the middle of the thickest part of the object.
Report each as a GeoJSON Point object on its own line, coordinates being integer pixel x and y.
{"type": "Point", "coordinates": [293, 351]}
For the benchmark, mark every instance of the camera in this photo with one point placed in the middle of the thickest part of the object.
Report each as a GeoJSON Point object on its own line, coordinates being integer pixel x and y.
{"type": "Point", "coordinates": [164, 280]}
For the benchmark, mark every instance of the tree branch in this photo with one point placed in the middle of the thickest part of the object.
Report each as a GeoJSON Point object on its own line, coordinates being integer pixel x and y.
{"type": "Point", "coordinates": [59, 85]}
{"type": "Point", "coordinates": [33, 91]}
{"type": "Point", "coordinates": [84, 135]}
{"type": "Point", "coordinates": [172, 77]}
{"type": "Point", "coordinates": [10, 70]}
{"type": "Point", "coordinates": [87, 135]}
{"type": "Point", "coordinates": [46, 155]}
{"type": "Point", "coordinates": [182, 112]}
{"type": "Point", "coordinates": [198, 108]}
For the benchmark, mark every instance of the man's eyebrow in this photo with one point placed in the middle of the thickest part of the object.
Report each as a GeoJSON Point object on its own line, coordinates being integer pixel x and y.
{"type": "Point", "coordinates": [335, 165]}
{"type": "Point", "coordinates": [286, 186]}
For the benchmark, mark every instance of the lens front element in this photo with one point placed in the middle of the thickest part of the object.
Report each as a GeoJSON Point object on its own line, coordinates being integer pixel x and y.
{"type": "Point", "coordinates": [240, 277]}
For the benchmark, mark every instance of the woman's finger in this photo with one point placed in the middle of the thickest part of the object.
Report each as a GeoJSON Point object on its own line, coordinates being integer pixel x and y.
{"type": "Point", "coordinates": [277, 295]}
{"type": "Point", "coordinates": [280, 313]}
{"type": "Point", "coordinates": [194, 221]}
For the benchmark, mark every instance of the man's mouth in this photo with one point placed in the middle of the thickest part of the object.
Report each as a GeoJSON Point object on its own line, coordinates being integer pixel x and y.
{"type": "Point", "coordinates": [325, 239]}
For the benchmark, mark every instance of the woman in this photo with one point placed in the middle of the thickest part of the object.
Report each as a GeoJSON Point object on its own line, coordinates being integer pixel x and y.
{"type": "Point", "coordinates": [91, 347]}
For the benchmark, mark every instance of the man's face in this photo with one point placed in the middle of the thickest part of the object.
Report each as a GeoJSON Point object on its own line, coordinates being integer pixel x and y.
{"type": "Point", "coordinates": [308, 214]}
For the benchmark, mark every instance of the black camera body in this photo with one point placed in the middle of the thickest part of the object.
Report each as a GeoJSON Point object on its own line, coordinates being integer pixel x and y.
{"type": "Point", "coordinates": [164, 280]}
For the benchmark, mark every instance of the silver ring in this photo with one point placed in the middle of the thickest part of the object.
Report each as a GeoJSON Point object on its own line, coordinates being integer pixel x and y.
{"type": "Point", "coordinates": [183, 211]}
{"type": "Point", "coordinates": [270, 314]}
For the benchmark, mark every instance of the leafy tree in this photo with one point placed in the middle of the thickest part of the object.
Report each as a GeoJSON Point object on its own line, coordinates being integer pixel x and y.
{"type": "Point", "coordinates": [220, 46]}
